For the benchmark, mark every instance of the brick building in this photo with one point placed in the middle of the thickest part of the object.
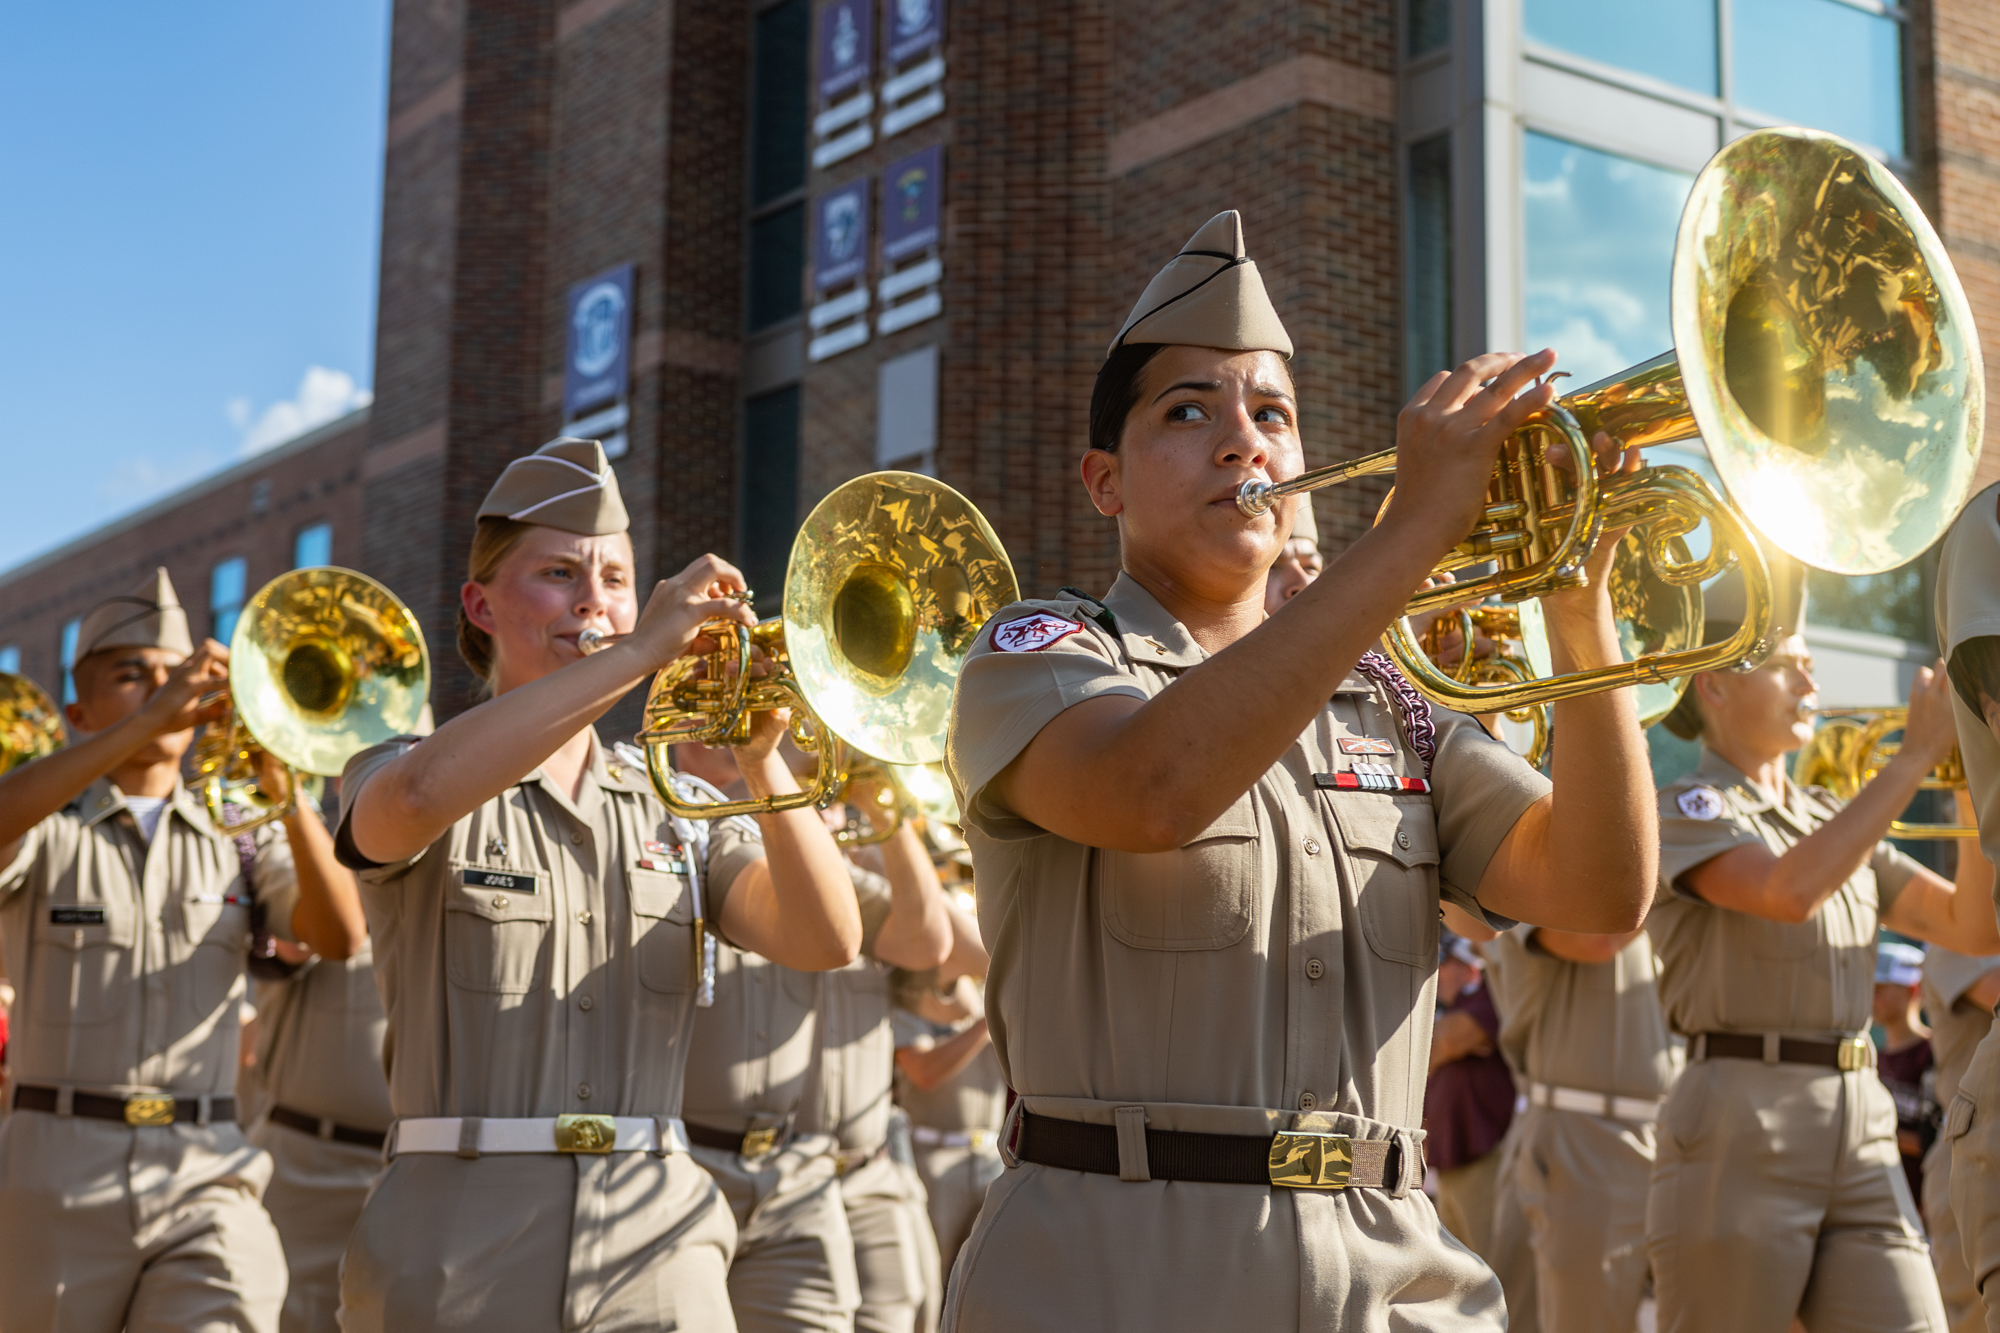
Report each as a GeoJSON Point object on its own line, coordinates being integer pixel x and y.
{"type": "Point", "coordinates": [814, 237]}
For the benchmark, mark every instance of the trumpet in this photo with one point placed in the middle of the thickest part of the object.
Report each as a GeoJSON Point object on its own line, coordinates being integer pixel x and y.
{"type": "Point", "coordinates": [1826, 355]}
{"type": "Point", "coordinates": [30, 724]}
{"type": "Point", "coordinates": [1503, 627]}
{"type": "Point", "coordinates": [1845, 754]}
{"type": "Point", "coordinates": [324, 663]}
{"type": "Point", "coordinates": [891, 578]}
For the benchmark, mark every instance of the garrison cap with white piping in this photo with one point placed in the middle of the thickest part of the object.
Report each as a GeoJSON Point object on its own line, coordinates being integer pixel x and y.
{"type": "Point", "coordinates": [150, 617]}
{"type": "Point", "coordinates": [1304, 525]}
{"type": "Point", "coordinates": [566, 484]}
{"type": "Point", "coordinates": [1208, 295]}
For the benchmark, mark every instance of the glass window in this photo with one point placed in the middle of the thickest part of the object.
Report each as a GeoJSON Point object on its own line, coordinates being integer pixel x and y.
{"type": "Point", "coordinates": [778, 101]}
{"type": "Point", "coordinates": [313, 546]}
{"type": "Point", "coordinates": [1430, 25]}
{"type": "Point", "coordinates": [69, 632]}
{"type": "Point", "coordinates": [10, 660]}
{"type": "Point", "coordinates": [1599, 241]}
{"type": "Point", "coordinates": [1672, 40]}
{"type": "Point", "coordinates": [777, 266]}
{"type": "Point", "coordinates": [770, 492]}
{"type": "Point", "coordinates": [1897, 603]}
{"type": "Point", "coordinates": [1427, 262]}
{"type": "Point", "coordinates": [225, 596]}
{"type": "Point", "coordinates": [1839, 69]}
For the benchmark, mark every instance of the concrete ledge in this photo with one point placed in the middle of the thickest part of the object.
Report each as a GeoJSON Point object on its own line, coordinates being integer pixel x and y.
{"type": "Point", "coordinates": [1316, 79]}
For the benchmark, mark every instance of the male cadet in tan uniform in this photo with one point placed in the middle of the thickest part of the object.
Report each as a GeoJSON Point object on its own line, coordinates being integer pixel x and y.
{"type": "Point", "coordinates": [949, 1082]}
{"type": "Point", "coordinates": [1959, 994]}
{"type": "Point", "coordinates": [128, 1196]}
{"type": "Point", "coordinates": [1580, 1020]}
{"type": "Point", "coordinates": [1777, 1187]}
{"type": "Point", "coordinates": [1968, 621]}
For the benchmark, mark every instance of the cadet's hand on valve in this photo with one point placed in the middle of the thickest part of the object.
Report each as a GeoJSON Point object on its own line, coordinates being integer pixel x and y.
{"type": "Point", "coordinates": [1931, 731]}
{"type": "Point", "coordinates": [673, 616]}
{"type": "Point", "coordinates": [178, 704]}
{"type": "Point", "coordinates": [1579, 606]}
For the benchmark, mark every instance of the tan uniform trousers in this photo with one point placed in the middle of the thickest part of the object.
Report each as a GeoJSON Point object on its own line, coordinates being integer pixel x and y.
{"type": "Point", "coordinates": [1581, 1181]}
{"type": "Point", "coordinates": [1465, 1197]}
{"type": "Point", "coordinates": [625, 1242]}
{"type": "Point", "coordinates": [794, 1264]}
{"type": "Point", "coordinates": [315, 1197]}
{"type": "Point", "coordinates": [955, 1184]}
{"type": "Point", "coordinates": [1777, 1190]}
{"type": "Point", "coordinates": [1972, 1125]}
{"type": "Point", "coordinates": [895, 1252]}
{"type": "Point", "coordinates": [1513, 1258]}
{"type": "Point", "coordinates": [1963, 1310]}
{"type": "Point", "coordinates": [97, 1234]}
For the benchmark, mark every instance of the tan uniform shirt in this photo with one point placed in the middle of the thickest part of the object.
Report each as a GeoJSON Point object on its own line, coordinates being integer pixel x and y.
{"type": "Point", "coordinates": [127, 959]}
{"type": "Point", "coordinates": [539, 958]}
{"type": "Point", "coordinates": [1956, 1029]}
{"type": "Point", "coordinates": [1284, 959]}
{"type": "Point", "coordinates": [973, 1098]}
{"type": "Point", "coordinates": [1598, 1027]}
{"type": "Point", "coordinates": [319, 1039]}
{"type": "Point", "coordinates": [1968, 607]}
{"type": "Point", "coordinates": [856, 1064]}
{"type": "Point", "coordinates": [1732, 972]}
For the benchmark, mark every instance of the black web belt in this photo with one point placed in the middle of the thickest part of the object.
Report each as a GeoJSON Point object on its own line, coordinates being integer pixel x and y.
{"type": "Point", "coordinates": [326, 1129]}
{"type": "Point", "coordinates": [1847, 1056]}
{"type": "Point", "coordinates": [1295, 1159]}
{"type": "Point", "coordinates": [140, 1108]}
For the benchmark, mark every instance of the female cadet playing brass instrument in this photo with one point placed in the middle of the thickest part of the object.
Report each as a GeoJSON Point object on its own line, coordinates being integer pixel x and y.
{"type": "Point", "coordinates": [1212, 847]}
{"type": "Point", "coordinates": [536, 912]}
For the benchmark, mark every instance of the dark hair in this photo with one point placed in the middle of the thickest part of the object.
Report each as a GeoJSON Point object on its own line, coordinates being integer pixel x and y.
{"type": "Point", "coordinates": [1975, 671]}
{"type": "Point", "coordinates": [491, 541]}
{"type": "Point", "coordinates": [1686, 720]}
{"type": "Point", "coordinates": [1117, 392]}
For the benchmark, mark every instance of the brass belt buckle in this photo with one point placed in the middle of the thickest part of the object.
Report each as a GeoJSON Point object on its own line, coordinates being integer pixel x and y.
{"type": "Point", "coordinates": [149, 1109]}
{"type": "Point", "coordinates": [1852, 1054]}
{"type": "Point", "coordinates": [1308, 1161]}
{"type": "Point", "coordinates": [585, 1133]}
{"type": "Point", "coordinates": [759, 1140]}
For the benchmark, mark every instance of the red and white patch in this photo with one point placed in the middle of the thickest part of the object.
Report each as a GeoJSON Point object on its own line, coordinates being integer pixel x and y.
{"type": "Point", "coordinates": [1033, 633]}
{"type": "Point", "coordinates": [1365, 745]}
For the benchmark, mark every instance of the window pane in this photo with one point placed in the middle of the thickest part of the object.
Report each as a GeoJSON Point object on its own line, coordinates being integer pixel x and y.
{"type": "Point", "coordinates": [1430, 25]}
{"type": "Point", "coordinates": [770, 493]}
{"type": "Point", "coordinates": [10, 660]}
{"type": "Point", "coordinates": [778, 101]}
{"type": "Point", "coordinates": [225, 597]}
{"type": "Point", "coordinates": [1839, 69]}
{"type": "Point", "coordinates": [314, 546]}
{"type": "Point", "coordinates": [1896, 603]}
{"type": "Point", "coordinates": [69, 633]}
{"type": "Point", "coordinates": [1672, 40]}
{"type": "Point", "coordinates": [1599, 240]}
{"type": "Point", "coordinates": [1427, 328]}
{"type": "Point", "coordinates": [777, 266]}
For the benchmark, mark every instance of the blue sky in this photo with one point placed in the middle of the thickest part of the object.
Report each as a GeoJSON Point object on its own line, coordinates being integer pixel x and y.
{"type": "Point", "coordinates": [190, 199]}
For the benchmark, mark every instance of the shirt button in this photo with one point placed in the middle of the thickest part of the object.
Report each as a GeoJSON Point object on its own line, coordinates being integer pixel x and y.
{"type": "Point", "coordinates": [584, 1004]}
{"type": "Point", "coordinates": [1402, 839]}
{"type": "Point", "coordinates": [583, 917]}
{"type": "Point", "coordinates": [1307, 1101]}
{"type": "Point", "coordinates": [576, 838]}
{"type": "Point", "coordinates": [1315, 968]}
{"type": "Point", "coordinates": [499, 901]}
{"type": "Point", "coordinates": [1312, 846]}
{"type": "Point", "coordinates": [583, 1092]}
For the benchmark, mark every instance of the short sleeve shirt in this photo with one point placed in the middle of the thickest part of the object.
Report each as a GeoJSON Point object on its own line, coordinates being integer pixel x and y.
{"type": "Point", "coordinates": [1728, 971]}
{"type": "Point", "coordinates": [1282, 959]}
{"type": "Point", "coordinates": [856, 1063]}
{"type": "Point", "coordinates": [1957, 1024]}
{"type": "Point", "coordinates": [320, 1037]}
{"type": "Point", "coordinates": [1598, 1027]}
{"type": "Point", "coordinates": [973, 1098]}
{"type": "Point", "coordinates": [1968, 607]}
{"type": "Point", "coordinates": [539, 958]}
{"type": "Point", "coordinates": [127, 957]}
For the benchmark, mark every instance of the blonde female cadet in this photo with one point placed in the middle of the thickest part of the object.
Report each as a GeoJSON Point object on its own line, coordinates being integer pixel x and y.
{"type": "Point", "coordinates": [1211, 852]}
{"type": "Point", "coordinates": [537, 918]}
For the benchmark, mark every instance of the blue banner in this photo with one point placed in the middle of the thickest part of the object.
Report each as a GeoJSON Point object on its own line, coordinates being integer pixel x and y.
{"type": "Point", "coordinates": [600, 341]}
{"type": "Point", "coordinates": [911, 191]}
{"type": "Point", "coordinates": [911, 27]}
{"type": "Point", "coordinates": [840, 236]}
{"type": "Point", "coordinates": [846, 46]}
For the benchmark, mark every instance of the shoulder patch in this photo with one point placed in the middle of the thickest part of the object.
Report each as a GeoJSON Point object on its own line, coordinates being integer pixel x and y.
{"type": "Point", "coordinates": [1031, 634]}
{"type": "Point", "coordinates": [1700, 803]}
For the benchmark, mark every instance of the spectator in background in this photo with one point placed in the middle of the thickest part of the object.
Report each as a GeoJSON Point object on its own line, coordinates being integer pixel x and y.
{"type": "Point", "coordinates": [1905, 1062]}
{"type": "Point", "coordinates": [1470, 1098]}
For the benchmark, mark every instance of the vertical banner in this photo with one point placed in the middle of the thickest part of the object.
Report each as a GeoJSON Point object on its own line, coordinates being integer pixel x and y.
{"type": "Point", "coordinates": [600, 338]}
{"type": "Point", "coordinates": [846, 46]}
{"type": "Point", "coordinates": [910, 196]}
{"type": "Point", "coordinates": [840, 236]}
{"type": "Point", "coordinates": [910, 27]}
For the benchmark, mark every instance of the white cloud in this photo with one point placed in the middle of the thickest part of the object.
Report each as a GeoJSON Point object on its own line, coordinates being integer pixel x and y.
{"type": "Point", "coordinates": [141, 480]}
{"type": "Point", "coordinates": [323, 396]}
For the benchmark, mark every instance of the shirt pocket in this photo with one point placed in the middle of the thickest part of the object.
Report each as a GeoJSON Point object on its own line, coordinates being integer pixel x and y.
{"type": "Point", "coordinates": [215, 930]}
{"type": "Point", "coordinates": [1197, 896]}
{"type": "Point", "coordinates": [82, 972]}
{"type": "Point", "coordinates": [1392, 846]}
{"type": "Point", "coordinates": [663, 921]}
{"type": "Point", "coordinates": [496, 939]}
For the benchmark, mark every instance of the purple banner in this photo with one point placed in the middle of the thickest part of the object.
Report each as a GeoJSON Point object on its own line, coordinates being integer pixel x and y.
{"type": "Point", "coordinates": [840, 236]}
{"type": "Point", "coordinates": [846, 46]}
{"type": "Point", "coordinates": [911, 27]}
{"type": "Point", "coordinates": [910, 198]}
{"type": "Point", "coordinates": [600, 336]}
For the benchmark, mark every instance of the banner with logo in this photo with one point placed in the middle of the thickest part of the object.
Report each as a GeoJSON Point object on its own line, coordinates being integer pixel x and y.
{"type": "Point", "coordinates": [840, 236]}
{"type": "Point", "coordinates": [600, 338]}
{"type": "Point", "coordinates": [910, 27]}
{"type": "Point", "coordinates": [846, 46]}
{"type": "Point", "coordinates": [911, 190]}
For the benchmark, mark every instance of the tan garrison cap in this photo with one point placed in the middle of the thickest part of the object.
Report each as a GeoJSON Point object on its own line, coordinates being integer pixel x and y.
{"type": "Point", "coordinates": [566, 484]}
{"type": "Point", "coordinates": [1208, 295]}
{"type": "Point", "coordinates": [151, 617]}
{"type": "Point", "coordinates": [1304, 524]}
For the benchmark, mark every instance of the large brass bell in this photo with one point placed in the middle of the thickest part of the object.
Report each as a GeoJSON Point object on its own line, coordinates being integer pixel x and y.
{"type": "Point", "coordinates": [30, 724]}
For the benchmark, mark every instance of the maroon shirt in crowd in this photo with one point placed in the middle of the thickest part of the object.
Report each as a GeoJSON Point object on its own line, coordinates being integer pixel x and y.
{"type": "Point", "coordinates": [1470, 1101]}
{"type": "Point", "coordinates": [1910, 1076]}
